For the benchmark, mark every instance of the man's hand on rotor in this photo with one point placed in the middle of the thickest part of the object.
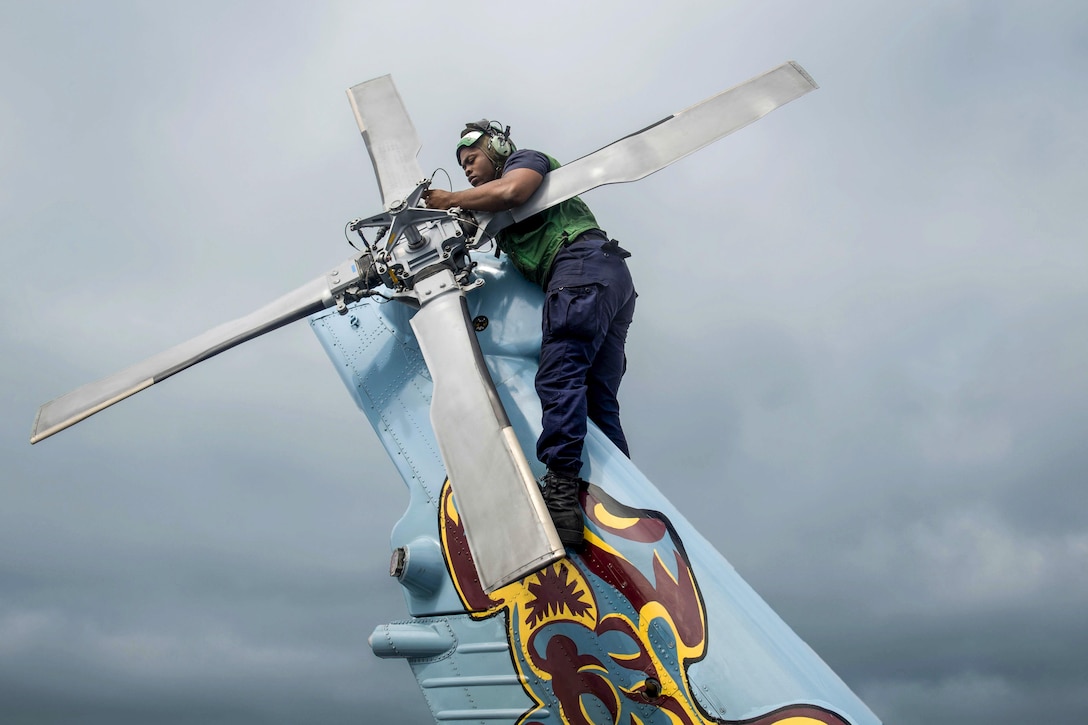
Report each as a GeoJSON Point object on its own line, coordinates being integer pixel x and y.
{"type": "Point", "coordinates": [508, 191]}
{"type": "Point", "coordinates": [438, 198]}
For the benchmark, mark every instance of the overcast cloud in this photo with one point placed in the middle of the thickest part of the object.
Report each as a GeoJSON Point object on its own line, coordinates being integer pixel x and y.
{"type": "Point", "coordinates": [859, 356]}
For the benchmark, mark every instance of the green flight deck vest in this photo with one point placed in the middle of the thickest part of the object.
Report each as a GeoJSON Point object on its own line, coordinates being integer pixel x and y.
{"type": "Point", "coordinates": [533, 243]}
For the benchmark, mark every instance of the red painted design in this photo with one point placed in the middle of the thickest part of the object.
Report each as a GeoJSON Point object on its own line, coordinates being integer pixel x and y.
{"type": "Point", "coordinates": [652, 618]}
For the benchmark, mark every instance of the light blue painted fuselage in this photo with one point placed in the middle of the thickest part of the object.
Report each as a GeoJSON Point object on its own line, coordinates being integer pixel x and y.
{"type": "Point", "coordinates": [476, 663]}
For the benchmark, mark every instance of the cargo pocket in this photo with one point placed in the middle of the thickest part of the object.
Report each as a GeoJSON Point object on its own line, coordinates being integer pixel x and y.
{"type": "Point", "coordinates": [571, 312]}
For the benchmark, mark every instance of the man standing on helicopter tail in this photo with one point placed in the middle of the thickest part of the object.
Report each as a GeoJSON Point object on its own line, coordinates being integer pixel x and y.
{"type": "Point", "coordinates": [588, 307]}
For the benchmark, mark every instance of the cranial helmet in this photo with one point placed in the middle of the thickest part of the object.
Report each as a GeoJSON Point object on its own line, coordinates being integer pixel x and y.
{"type": "Point", "coordinates": [496, 141]}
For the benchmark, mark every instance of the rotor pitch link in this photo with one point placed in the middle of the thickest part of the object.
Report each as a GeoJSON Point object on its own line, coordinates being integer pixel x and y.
{"type": "Point", "coordinates": [352, 281]}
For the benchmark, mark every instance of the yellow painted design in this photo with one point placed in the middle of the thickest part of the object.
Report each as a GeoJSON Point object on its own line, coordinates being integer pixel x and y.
{"type": "Point", "coordinates": [609, 519]}
{"type": "Point", "coordinates": [562, 593]}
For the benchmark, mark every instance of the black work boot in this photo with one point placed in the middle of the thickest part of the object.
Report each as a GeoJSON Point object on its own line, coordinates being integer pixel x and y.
{"type": "Point", "coordinates": [561, 496]}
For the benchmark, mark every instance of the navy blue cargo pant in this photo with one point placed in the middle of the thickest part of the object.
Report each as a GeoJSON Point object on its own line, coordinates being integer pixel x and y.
{"type": "Point", "coordinates": [588, 307]}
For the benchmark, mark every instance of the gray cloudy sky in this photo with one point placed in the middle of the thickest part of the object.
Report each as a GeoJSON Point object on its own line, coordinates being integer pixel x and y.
{"type": "Point", "coordinates": [858, 362]}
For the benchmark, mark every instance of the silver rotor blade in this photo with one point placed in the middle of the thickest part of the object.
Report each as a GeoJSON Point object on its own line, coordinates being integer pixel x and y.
{"type": "Point", "coordinates": [506, 523]}
{"type": "Point", "coordinates": [71, 408]}
{"type": "Point", "coordinates": [389, 135]}
{"type": "Point", "coordinates": [671, 139]}
{"type": "Point", "coordinates": [509, 531]}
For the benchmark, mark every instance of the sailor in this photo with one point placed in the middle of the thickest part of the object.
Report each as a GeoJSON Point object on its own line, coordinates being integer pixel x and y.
{"type": "Point", "coordinates": [588, 307]}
